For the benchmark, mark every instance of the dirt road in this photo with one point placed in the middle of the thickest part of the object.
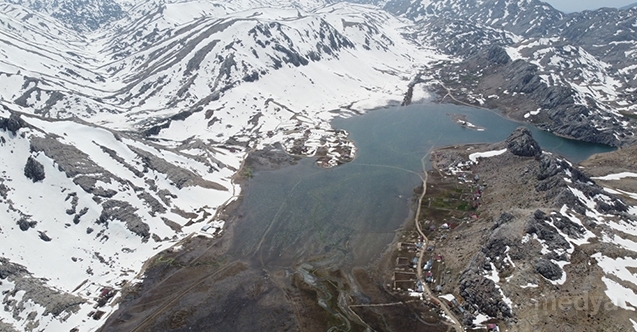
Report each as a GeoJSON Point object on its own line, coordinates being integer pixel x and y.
{"type": "Point", "coordinates": [456, 324]}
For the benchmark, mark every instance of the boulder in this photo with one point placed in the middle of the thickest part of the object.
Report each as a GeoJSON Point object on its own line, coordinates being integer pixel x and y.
{"type": "Point", "coordinates": [44, 237]}
{"type": "Point", "coordinates": [12, 124]}
{"type": "Point", "coordinates": [34, 170]}
{"type": "Point", "coordinates": [25, 224]}
{"type": "Point", "coordinates": [548, 269]}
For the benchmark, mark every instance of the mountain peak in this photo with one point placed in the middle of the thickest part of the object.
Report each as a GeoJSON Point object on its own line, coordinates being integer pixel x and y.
{"type": "Point", "coordinates": [84, 15]}
{"type": "Point", "coordinates": [524, 17]}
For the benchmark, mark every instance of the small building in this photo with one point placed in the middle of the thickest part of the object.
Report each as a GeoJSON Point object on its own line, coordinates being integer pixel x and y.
{"type": "Point", "coordinates": [428, 266]}
{"type": "Point", "coordinates": [444, 226]}
{"type": "Point", "coordinates": [419, 287]}
{"type": "Point", "coordinates": [414, 262]}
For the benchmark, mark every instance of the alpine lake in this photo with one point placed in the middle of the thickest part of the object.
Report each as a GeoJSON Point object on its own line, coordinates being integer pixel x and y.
{"type": "Point", "coordinates": [308, 222]}
{"type": "Point", "coordinates": [306, 241]}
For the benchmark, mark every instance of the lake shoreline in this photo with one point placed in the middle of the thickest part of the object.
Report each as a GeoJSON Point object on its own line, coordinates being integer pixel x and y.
{"type": "Point", "coordinates": [325, 240]}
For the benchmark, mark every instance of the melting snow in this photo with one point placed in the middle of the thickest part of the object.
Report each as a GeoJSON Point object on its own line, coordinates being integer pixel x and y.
{"type": "Point", "coordinates": [474, 156]}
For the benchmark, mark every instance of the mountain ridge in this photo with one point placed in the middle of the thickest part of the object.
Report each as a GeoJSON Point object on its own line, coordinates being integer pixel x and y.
{"type": "Point", "coordinates": [174, 94]}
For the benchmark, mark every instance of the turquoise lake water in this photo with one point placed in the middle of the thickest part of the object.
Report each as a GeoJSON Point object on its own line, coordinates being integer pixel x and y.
{"type": "Point", "coordinates": [347, 215]}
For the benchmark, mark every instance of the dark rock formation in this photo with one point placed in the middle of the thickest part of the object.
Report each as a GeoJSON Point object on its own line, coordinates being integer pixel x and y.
{"type": "Point", "coordinates": [25, 224]}
{"type": "Point", "coordinates": [8, 269]}
{"type": "Point", "coordinates": [547, 233]}
{"type": "Point", "coordinates": [271, 157]}
{"type": "Point", "coordinates": [69, 159]}
{"type": "Point", "coordinates": [521, 143]}
{"type": "Point", "coordinates": [44, 237]}
{"type": "Point", "coordinates": [181, 177]}
{"type": "Point", "coordinates": [34, 170]}
{"type": "Point", "coordinates": [482, 292]}
{"type": "Point", "coordinates": [504, 218]}
{"type": "Point", "coordinates": [550, 166]}
{"type": "Point", "coordinates": [7, 327]}
{"type": "Point", "coordinates": [568, 227]}
{"type": "Point", "coordinates": [123, 211]}
{"type": "Point", "coordinates": [54, 301]}
{"type": "Point", "coordinates": [498, 55]}
{"type": "Point", "coordinates": [551, 173]}
{"type": "Point", "coordinates": [152, 202]}
{"type": "Point", "coordinates": [12, 124]}
{"type": "Point", "coordinates": [548, 269]}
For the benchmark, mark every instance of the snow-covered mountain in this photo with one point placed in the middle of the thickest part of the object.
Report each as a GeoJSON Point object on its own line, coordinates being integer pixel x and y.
{"type": "Point", "coordinates": [127, 121]}
{"type": "Point", "coordinates": [83, 15]}
{"type": "Point", "coordinates": [125, 140]}
{"type": "Point", "coordinates": [523, 17]}
{"type": "Point", "coordinates": [574, 72]}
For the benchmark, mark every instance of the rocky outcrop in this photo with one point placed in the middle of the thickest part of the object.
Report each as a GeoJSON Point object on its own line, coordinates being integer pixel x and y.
{"type": "Point", "coordinates": [551, 176]}
{"type": "Point", "coordinates": [79, 15]}
{"type": "Point", "coordinates": [124, 212]}
{"type": "Point", "coordinates": [181, 177]}
{"type": "Point", "coordinates": [69, 159]}
{"type": "Point", "coordinates": [12, 124]}
{"type": "Point", "coordinates": [152, 202]}
{"type": "Point", "coordinates": [524, 77]}
{"type": "Point", "coordinates": [7, 327]}
{"type": "Point", "coordinates": [34, 170]}
{"type": "Point", "coordinates": [462, 38]}
{"type": "Point", "coordinates": [54, 302]}
{"type": "Point", "coordinates": [498, 55]}
{"type": "Point", "coordinates": [483, 293]}
{"type": "Point", "coordinates": [25, 224]}
{"type": "Point", "coordinates": [548, 269]}
{"type": "Point", "coordinates": [44, 237]}
{"type": "Point", "coordinates": [521, 143]}
{"type": "Point", "coordinates": [88, 184]}
{"type": "Point", "coordinates": [269, 158]}
{"type": "Point", "coordinates": [538, 225]}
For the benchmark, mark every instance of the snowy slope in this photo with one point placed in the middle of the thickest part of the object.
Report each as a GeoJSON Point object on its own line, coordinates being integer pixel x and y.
{"type": "Point", "coordinates": [83, 15]}
{"type": "Point", "coordinates": [171, 97]}
{"type": "Point", "coordinates": [105, 205]}
{"type": "Point", "coordinates": [136, 110]}
{"type": "Point", "coordinates": [523, 17]}
{"type": "Point", "coordinates": [570, 74]}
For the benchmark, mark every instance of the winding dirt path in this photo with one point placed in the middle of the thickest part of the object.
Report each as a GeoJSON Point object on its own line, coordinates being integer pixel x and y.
{"type": "Point", "coordinates": [456, 324]}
